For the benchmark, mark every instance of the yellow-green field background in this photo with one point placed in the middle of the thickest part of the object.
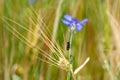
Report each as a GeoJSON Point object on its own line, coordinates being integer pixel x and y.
{"type": "Point", "coordinates": [99, 39]}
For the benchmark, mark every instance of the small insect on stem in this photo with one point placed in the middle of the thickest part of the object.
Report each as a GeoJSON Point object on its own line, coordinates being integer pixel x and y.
{"type": "Point", "coordinates": [68, 46]}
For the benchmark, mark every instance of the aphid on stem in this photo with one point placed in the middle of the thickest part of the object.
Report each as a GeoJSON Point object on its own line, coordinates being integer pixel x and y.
{"type": "Point", "coordinates": [68, 46]}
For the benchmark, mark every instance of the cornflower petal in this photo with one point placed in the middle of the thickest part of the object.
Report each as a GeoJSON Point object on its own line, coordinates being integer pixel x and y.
{"type": "Point", "coordinates": [68, 17]}
{"type": "Point", "coordinates": [66, 22]}
{"type": "Point", "coordinates": [74, 20]}
{"type": "Point", "coordinates": [78, 27]}
{"type": "Point", "coordinates": [83, 22]}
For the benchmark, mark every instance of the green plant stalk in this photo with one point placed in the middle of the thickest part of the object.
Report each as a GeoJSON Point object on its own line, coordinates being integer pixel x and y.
{"type": "Point", "coordinates": [70, 53]}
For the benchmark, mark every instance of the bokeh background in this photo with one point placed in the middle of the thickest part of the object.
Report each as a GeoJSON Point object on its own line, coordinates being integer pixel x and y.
{"type": "Point", "coordinates": [99, 39]}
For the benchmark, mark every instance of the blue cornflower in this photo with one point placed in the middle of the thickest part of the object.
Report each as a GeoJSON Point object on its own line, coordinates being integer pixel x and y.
{"type": "Point", "coordinates": [69, 21]}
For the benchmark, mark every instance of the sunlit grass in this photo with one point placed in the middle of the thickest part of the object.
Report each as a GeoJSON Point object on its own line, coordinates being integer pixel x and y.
{"type": "Point", "coordinates": [28, 40]}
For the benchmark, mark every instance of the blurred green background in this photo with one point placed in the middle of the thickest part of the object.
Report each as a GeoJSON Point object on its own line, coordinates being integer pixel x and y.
{"type": "Point", "coordinates": [99, 38]}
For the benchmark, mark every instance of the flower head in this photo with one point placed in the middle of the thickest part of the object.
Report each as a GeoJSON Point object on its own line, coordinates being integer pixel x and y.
{"type": "Point", "coordinates": [69, 21]}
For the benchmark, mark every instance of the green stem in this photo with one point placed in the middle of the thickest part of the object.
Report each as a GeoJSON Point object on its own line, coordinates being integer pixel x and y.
{"type": "Point", "coordinates": [70, 54]}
